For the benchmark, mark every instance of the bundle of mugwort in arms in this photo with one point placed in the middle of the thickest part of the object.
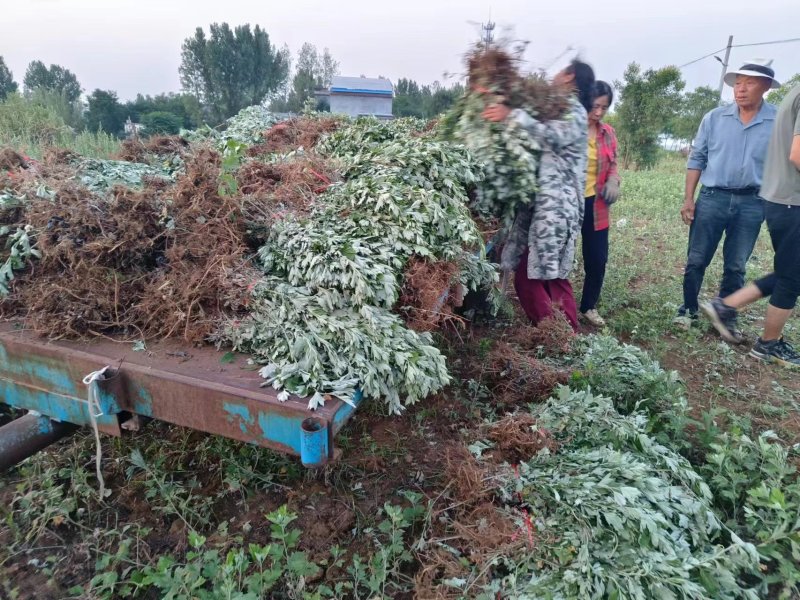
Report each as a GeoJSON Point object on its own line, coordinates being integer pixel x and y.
{"type": "Point", "coordinates": [508, 155]}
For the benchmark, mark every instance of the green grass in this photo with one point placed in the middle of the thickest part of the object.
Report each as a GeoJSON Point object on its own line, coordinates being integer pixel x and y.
{"type": "Point", "coordinates": [643, 289]}
{"type": "Point", "coordinates": [648, 243]}
{"type": "Point", "coordinates": [29, 127]}
{"type": "Point", "coordinates": [86, 143]}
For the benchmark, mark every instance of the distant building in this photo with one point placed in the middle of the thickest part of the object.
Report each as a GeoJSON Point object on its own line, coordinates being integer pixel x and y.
{"type": "Point", "coordinates": [359, 96]}
{"type": "Point", "coordinates": [132, 129]}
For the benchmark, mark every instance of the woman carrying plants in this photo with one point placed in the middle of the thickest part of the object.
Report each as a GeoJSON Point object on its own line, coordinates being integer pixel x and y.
{"type": "Point", "coordinates": [550, 227]}
{"type": "Point", "coordinates": [602, 190]}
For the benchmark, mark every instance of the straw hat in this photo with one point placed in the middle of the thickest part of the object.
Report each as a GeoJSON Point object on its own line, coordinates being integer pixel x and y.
{"type": "Point", "coordinates": [755, 67]}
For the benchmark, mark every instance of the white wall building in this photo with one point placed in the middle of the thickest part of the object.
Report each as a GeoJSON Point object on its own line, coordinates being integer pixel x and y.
{"type": "Point", "coordinates": [359, 96]}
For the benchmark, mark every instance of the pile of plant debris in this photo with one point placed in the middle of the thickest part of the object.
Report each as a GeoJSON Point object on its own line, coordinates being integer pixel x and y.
{"type": "Point", "coordinates": [10, 160]}
{"type": "Point", "coordinates": [158, 148]}
{"type": "Point", "coordinates": [247, 127]}
{"type": "Point", "coordinates": [296, 133]}
{"type": "Point", "coordinates": [327, 249]}
{"type": "Point", "coordinates": [152, 245]}
{"type": "Point", "coordinates": [323, 316]}
{"type": "Point", "coordinates": [156, 261]}
{"type": "Point", "coordinates": [315, 260]}
{"type": "Point", "coordinates": [283, 186]}
{"type": "Point", "coordinates": [593, 496]}
{"type": "Point", "coordinates": [595, 508]}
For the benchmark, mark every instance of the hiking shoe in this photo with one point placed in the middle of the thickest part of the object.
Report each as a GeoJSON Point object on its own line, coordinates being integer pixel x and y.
{"type": "Point", "coordinates": [594, 318]}
{"type": "Point", "coordinates": [685, 319]}
{"type": "Point", "coordinates": [723, 318]}
{"type": "Point", "coordinates": [777, 351]}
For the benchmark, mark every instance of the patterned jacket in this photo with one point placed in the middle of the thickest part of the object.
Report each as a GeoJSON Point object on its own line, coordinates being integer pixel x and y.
{"type": "Point", "coordinates": [606, 169]}
{"type": "Point", "coordinates": [551, 225]}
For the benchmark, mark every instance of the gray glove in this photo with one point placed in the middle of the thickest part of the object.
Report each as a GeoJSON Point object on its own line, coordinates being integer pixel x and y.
{"type": "Point", "coordinates": [611, 190]}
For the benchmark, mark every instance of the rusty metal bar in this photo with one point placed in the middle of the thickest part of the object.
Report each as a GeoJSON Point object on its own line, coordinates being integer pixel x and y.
{"type": "Point", "coordinates": [25, 436]}
{"type": "Point", "coordinates": [199, 388]}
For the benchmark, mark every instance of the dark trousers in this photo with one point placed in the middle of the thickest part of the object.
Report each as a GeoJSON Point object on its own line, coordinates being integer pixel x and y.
{"type": "Point", "coordinates": [783, 285]}
{"type": "Point", "coordinates": [539, 296]}
{"type": "Point", "coordinates": [739, 217]}
{"type": "Point", "coordinates": [595, 258]}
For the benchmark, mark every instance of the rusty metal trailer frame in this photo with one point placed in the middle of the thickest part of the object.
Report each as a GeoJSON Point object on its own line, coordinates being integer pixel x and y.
{"type": "Point", "coordinates": [188, 387]}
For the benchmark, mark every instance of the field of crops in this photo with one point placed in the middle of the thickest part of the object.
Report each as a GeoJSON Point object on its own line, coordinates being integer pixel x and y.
{"type": "Point", "coordinates": [532, 465]}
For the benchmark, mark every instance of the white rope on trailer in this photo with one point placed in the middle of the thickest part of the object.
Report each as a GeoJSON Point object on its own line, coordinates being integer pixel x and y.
{"type": "Point", "coordinates": [96, 412]}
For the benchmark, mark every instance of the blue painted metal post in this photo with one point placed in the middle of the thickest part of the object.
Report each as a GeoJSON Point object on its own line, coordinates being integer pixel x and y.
{"type": "Point", "coordinates": [314, 446]}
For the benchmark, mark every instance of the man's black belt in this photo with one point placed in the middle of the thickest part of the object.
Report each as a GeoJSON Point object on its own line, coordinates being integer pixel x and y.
{"type": "Point", "coordinates": [748, 191]}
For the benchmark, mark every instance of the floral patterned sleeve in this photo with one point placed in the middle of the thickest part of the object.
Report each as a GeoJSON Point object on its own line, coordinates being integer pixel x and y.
{"type": "Point", "coordinates": [555, 134]}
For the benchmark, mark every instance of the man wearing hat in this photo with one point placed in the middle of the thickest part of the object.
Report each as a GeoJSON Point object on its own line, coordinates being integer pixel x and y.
{"type": "Point", "coordinates": [781, 192]}
{"type": "Point", "coordinates": [727, 159]}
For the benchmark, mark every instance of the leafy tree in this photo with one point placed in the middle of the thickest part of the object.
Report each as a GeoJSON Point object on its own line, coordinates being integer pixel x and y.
{"type": "Point", "coordinates": [612, 119]}
{"type": "Point", "coordinates": [56, 78]}
{"type": "Point", "coordinates": [692, 110]}
{"type": "Point", "coordinates": [328, 67]}
{"type": "Point", "coordinates": [232, 68]}
{"type": "Point", "coordinates": [313, 71]}
{"type": "Point", "coordinates": [185, 107]}
{"type": "Point", "coordinates": [413, 100]}
{"type": "Point", "coordinates": [649, 102]}
{"type": "Point", "coordinates": [58, 103]}
{"type": "Point", "coordinates": [777, 96]}
{"type": "Point", "coordinates": [408, 99]}
{"type": "Point", "coordinates": [443, 98]}
{"type": "Point", "coordinates": [105, 112]}
{"type": "Point", "coordinates": [7, 83]}
{"type": "Point", "coordinates": [29, 121]}
{"type": "Point", "coordinates": [161, 122]}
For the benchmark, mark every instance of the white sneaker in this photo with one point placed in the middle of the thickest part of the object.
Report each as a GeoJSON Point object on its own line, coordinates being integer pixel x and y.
{"type": "Point", "coordinates": [594, 318]}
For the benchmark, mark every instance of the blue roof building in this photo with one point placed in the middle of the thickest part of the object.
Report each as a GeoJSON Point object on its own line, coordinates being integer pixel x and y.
{"type": "Point", "coordinates": [359, 96]}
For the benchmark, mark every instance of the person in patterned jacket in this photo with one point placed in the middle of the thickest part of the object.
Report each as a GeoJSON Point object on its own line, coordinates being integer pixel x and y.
{"type": "Point", "coordinates": [541, 245]}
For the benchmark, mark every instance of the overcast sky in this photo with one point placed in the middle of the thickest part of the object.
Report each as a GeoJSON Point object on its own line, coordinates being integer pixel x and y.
{"type": "Point", "coordinates": [134, 45]}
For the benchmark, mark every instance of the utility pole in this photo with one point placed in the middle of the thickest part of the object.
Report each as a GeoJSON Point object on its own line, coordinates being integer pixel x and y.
{"type": "Point", "coordinates": [724, 67]}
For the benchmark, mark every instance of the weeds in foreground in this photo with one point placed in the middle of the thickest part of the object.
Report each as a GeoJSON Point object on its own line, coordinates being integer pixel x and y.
{"type": "Point", "coordinates": [168, 496]}
{"type": "Point", "coordinates": [278, 569]}
{"type": "Point", "coordinates": [757, 491]}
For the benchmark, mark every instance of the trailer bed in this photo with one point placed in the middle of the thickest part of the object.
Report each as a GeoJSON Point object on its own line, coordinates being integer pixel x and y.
{"type": "Point", "coordinates": [191, 387]}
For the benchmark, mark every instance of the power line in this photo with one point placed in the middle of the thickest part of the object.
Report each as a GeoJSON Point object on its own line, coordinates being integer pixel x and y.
{"type": "Point", "coordinates": [710, 54]}
{"type": "Point", "coordinates": [691, 62]}
{"type": "Point", "coordinates": [766, 43]}
{"type": "Point", "coordinates": [557, 58]}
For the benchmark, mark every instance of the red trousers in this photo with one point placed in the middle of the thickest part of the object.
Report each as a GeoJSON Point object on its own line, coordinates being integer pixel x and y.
{"type": "Point", "coordinates": [538, 296]}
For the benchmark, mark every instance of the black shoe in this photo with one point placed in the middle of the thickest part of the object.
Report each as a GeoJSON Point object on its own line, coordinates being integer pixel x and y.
{"type": "Point", "coordinates": [777, 351]}
{"type": "Point", "coordinates": [723, 318]}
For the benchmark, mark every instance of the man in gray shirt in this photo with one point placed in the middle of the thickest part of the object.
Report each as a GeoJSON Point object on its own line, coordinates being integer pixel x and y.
{"type": "Point", "coordinates": [781, 190]}
{"type": "Point", "coordinates": [728, 160]}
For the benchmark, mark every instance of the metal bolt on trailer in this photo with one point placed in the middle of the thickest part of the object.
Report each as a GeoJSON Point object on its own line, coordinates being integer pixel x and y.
{"type": "Point", "coordinates": [187, 387]}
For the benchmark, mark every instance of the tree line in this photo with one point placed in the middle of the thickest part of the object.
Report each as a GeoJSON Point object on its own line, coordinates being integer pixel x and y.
{"type": "Point", "coordinates": [424, 101]}
{"type": "Point", "coordinates": [221, 72]}
{"type": "Point", "coordinates": [229, 68]}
